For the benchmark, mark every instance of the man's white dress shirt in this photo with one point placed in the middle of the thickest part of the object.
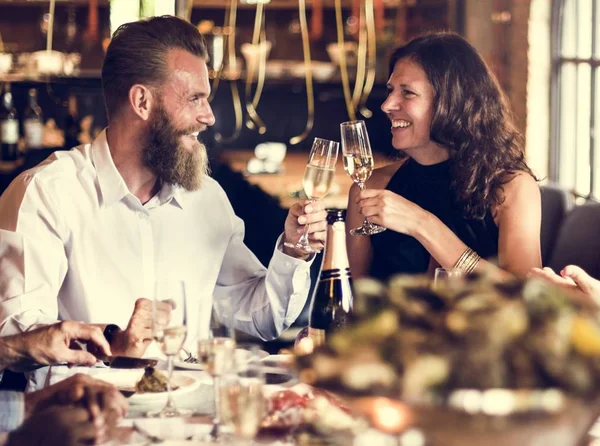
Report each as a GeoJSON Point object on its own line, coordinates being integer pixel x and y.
{"type": "Point", "coordinates": [76, 244]}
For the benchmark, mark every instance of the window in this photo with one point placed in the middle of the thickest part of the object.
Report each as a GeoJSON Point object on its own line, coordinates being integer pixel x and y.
{"type": "Point", "coordinates": [575, 161]}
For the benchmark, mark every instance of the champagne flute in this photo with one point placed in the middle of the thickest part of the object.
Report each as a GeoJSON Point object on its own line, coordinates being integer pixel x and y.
{"type": "Point", "coordinates": [358, 163]}
{"type": "Point", "coordinates": [242, 399]}
{"type": "Point", "coordinates": [318, 177]}
{"type": "Point", "coordinates": [216, 352]}
{"type": "Point", "coordinates": [169, 330]}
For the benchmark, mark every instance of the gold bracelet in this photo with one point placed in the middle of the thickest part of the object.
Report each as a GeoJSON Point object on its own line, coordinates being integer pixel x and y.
{"type": "Point", "coordinates": [468, 261]}
{"type": "Point", "coordinates": [462, 258]}
{"type": "Point", "coordinates": [460, 263]}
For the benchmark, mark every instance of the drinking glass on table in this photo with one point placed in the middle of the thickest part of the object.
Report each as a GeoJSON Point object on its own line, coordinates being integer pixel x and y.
{"type": "Point", "coordinates": [358, 163]}
{"type": "Point", "coordinates": [169, 330]}
{"type": "Point", "coordinates": [318, 176]}
{"type": "Point", "coordinates": [442, 275]}
{"type": "Point", "coordinates": [216, 352]}
{"type": "Point", "coordinates": [241, 396]}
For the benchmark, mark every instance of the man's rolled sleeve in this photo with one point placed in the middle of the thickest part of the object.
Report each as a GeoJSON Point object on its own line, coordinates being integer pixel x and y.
{"type": "Point", "coordinates": [33, 262]}
{"type": "Point", "coordinates": [284, 266]}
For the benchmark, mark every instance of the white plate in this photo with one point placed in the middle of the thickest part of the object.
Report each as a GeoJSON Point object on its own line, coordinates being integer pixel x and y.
{"type": "Point", "coordinates": [240, 355]}
{"type": "Point", "coordinates": [126, 379]}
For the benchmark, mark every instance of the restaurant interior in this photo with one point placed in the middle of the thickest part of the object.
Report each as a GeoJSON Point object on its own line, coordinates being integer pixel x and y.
{"type": "Point", "coordinates": [284, 72]}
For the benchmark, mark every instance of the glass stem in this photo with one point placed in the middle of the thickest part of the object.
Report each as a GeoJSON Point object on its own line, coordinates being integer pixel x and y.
{"type": "Point", "coordinates": [304, 239]}
{"type": "Point", "coordinates": [366, 223]}
{"type": "Point", "coordinates": [170, 404]}
{"type": "Point", "coordinates": [217, 414]}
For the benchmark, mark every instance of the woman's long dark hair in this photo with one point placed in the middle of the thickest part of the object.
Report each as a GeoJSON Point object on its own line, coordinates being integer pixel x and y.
{"type": "Point", "coordinates": [471, 119]}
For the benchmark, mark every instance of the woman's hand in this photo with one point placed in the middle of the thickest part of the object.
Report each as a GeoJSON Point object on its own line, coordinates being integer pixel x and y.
{"type": "Point", "coordinates": [391, 210]}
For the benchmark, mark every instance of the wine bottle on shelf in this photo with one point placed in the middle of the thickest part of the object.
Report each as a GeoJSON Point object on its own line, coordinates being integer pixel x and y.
{"type": "Point", "coordinates": [332, 299]}
{"type": "Point", "coordinates": [33, 123]}
{"type": "Point", "coordinates": [9, 127]}
{"type": "Point", "coordinates": [72, 124]}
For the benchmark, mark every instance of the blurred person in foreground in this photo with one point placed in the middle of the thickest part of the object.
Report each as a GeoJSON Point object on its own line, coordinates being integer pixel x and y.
{"type": "Point", "coordinates": [86, 233]}
{"type": "Point", "coordinates": [77, 410]}
{"type": "Point", "coordinates": [461, 191]}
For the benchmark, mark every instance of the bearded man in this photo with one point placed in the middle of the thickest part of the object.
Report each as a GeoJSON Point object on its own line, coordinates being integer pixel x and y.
{"type": "Point", "coordinates": [86, 234]}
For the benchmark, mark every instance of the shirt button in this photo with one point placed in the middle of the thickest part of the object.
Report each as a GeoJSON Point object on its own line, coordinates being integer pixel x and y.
{"type": "Point", "coordinates": [142, 216]}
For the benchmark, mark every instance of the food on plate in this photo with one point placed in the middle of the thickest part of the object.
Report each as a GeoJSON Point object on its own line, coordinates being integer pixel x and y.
{"type": "Point", "coordinates": [152, 381]}
{"type": "Point", "coordinates": [414, 341]}
{"type": "Point", "coordinates": [315, 412]}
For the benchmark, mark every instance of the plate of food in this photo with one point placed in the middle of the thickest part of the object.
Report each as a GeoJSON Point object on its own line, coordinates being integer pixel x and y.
{"type": "Point", "coordinates": [148, 385]}
{"type": "Point", "coordinates": [189, 361]}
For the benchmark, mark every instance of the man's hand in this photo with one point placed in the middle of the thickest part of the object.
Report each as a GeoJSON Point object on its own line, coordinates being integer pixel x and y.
{"type": "Point", "coordinates": [102, 400]}
{"type": "Point", "coordinates": [308, 213]}
{"type": "Point", "coordinates": [54, 344]}
{"type": "Point", "coordinates": [58, 426]}
{"type": "Point", "coordinates": [136, 338]}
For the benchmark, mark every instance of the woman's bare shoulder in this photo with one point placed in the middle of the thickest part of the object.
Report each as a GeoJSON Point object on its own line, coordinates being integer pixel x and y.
{"type": "Point", "coordinates": [382, 175]}
{"type": "Point", "coordinates": [518, 185]}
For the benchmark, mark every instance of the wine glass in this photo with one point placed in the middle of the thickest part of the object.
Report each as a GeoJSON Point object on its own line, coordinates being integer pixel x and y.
{"type": "Point", "coordinates": [169, 330]}
{"type": "Point", "coordinates": [216, 352]}
{"type": "Point", "coordinates": [242, 399]}
{"type": "Point", "coordinates": [442, 275]}
{"type": "Point", "coordinates": [318, 177]}
{"type": "Point", "coordinates": [358, 163]}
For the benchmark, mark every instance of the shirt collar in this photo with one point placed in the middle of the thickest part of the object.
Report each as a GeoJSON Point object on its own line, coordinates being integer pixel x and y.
{"type": "Point", "coordinates": [171, 193]}
{"type": "Point", "coordinates": [112, 185]}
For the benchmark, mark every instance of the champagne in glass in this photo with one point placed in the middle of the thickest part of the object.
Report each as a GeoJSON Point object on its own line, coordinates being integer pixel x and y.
{"type": "Point", "coordinates": [359, 168]}
{"type": "Point", "coordinates": [169, 330]}
{"type": "Point", "coordinates": [216, 355]}
{"type": "Point", "coordinates": [358, 163]}
{"type": "Point", "coordinates": [242, 399]}
{"type": "Point", "coordinates": [216, 351]}
{"type": "Point", "coordinates": [317, 181]}
{"type": "Point", "coordinates": [171, 339]}
{"type": "Point", "coordinates": [318, 177]}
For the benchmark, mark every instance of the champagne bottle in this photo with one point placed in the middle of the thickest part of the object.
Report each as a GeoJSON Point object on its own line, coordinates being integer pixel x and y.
{"type": "Point", "coordinates": [9, 127]}
{"type": "Point", "coordinates": [33, 123]}
{"type": "Point", "coordinates": [332, 299]}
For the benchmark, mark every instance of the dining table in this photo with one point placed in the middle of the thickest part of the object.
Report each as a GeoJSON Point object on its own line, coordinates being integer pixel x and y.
{"type": "Point", "coordinates": [425, 425]}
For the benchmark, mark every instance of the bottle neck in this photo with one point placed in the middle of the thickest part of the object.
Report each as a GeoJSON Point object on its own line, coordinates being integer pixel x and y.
{"type": "Point", "coordinates": [33, 101]}
{"type": "Point", "coordinates": [335, 256]}
{"type": "Point", "coordinates": [8, 101]}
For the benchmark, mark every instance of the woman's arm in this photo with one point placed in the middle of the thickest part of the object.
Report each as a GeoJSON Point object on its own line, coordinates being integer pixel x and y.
{"type": "Point", "coordinates": [358, 247]}
{"type": "Point", "coordinates": [518, 219]}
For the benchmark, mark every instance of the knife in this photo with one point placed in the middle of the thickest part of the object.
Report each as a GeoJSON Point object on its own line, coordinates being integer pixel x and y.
{"type": "Point", "coordinates": [126, 362]}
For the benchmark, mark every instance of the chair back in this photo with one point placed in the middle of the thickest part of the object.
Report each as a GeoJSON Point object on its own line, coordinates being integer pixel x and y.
{"type": "Point", "coordinates": [578, 241]}
{"type": "Point", "coordinates": [556, 203]}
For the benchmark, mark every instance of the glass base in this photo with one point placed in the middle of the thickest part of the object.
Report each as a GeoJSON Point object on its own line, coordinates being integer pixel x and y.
{"type": "Point", "coordinates": [367, 229]}
{"type": "Point", "coordinates": [306, 248]}
{"type": "Point", "coordinates": [170, 412]}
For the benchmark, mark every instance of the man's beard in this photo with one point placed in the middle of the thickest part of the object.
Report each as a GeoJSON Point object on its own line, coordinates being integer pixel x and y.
{"type": "Point", "coordinates": [165, 154]}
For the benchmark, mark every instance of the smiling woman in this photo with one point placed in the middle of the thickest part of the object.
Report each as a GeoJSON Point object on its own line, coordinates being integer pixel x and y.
{"type": "Point", "coordinates": [461, 191]}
